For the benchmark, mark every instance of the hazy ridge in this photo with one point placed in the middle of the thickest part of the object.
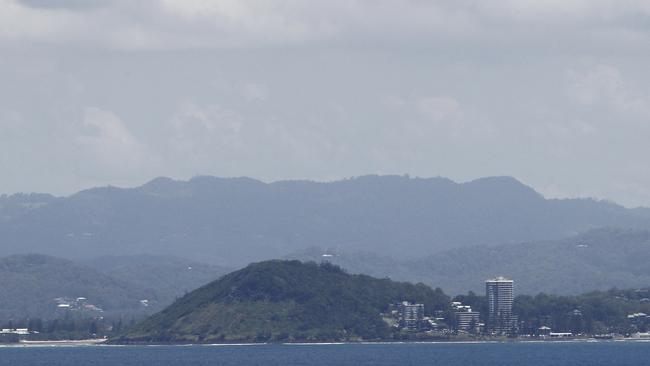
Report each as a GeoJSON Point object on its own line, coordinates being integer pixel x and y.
{"type": "Point", "coordinates": [239, 220]}
{"type": "Point", "coordinates": [597, 260]}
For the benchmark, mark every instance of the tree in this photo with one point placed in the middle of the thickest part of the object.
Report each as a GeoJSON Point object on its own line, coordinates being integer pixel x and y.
{"type": "Point", "coordinates": [93, 327]}
{"type": "Point", "coordinates": [35, 325]}
{"type": "Point", "coordinates": [473, 326]}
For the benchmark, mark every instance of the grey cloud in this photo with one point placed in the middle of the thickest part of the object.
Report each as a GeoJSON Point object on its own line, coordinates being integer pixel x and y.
{"type": "Point", "coordinates": [604, 85]}
{"type": "Point", "coordinates": [65, 4]}
{"type": "Point", "coordinates": [182, 24]}
{"type": "Point", "coordinates": [552, 92]}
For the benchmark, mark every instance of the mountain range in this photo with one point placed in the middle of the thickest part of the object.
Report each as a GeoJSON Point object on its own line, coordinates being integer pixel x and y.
{"type": "Point", "coordinates": [234, 221]}
{"type": "Point", "coordinates": [600, 259]}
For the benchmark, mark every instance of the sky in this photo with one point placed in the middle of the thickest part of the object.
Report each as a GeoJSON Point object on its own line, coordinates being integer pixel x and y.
{"type": "Point", "coordinates": [555, 93]}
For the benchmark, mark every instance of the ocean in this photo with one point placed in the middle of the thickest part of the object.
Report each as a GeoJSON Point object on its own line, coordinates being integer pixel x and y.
{"type": "Point", "coordinates": [466, 354]}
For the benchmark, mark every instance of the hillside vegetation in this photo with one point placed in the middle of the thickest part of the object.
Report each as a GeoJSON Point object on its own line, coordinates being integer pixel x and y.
{"type": "Point", "coordinates": [31, 283]}
{"type": "Point", "coordinates": [292, 301]}
{"type": "Point", "coordinates": [284, 301]}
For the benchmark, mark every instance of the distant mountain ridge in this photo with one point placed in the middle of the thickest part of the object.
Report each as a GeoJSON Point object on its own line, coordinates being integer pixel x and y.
{"type": "Point", "coordinates": [235, 221]}
{"type": "Point", "coordinates": [600, 259]}
{"type": "Point", "coordinates": [15, 205]}
{"type": "Point", "coordinates": [168, 277]}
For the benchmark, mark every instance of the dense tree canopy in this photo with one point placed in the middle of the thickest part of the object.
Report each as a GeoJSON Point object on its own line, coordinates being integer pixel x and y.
{"type": "Point", "coordinates": [286, 300]}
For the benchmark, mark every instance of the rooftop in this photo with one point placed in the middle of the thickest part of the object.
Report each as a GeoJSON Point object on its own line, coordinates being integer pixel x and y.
{"type": "Point", "coordinates": [499, 279]}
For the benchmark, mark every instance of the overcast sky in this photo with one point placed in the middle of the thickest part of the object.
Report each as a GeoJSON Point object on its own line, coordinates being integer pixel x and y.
{"type": "Point", "coordinates": [553, 92]}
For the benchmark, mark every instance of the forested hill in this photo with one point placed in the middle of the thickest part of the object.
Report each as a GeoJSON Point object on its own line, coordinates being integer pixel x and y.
{"type": "Point", "coordinates": [236, 221]}
{"type": "Point", "coordinates": [284, 301]}
{"type": "Point", "coordinates": [30, 285]}
{"type": "Point", "coordinates": [35, 285]}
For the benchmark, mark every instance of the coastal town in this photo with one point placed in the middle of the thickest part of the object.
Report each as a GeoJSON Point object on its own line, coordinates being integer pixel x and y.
{"type": "Point", "coordinates": [409, 321]}
{"type": "Point", "coordinates": [499, 322]}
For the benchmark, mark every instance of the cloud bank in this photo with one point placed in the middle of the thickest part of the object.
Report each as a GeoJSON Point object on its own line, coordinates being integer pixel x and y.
{"type": "Point", "coordinates": [555, 93]}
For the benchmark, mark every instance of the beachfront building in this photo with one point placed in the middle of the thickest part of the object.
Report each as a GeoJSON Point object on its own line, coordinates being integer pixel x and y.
{"type": "Point", "coordinates": [500, 295]}
{"type": "Point", "coordinates": [411, 316]}
{"type": "Point", "coordinates": [466, 320]}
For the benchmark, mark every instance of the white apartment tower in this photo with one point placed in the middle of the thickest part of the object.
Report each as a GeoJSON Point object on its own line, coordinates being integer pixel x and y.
{"type": "Point", "coordinates": [499, 292]}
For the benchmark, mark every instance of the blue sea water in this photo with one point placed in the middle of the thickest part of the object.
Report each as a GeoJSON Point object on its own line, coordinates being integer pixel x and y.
{"type": "Point", "coordinates": [466, 354]}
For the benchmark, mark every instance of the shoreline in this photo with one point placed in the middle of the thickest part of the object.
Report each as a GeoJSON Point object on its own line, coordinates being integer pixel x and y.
{"type": "Point", "coordinates": [104, 343]}
{"type": "Point", "coordinates": [57, 343]}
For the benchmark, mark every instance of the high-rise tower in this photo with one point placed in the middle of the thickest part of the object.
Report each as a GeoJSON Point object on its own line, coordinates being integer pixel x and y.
{"type": "Point", "coordinates": [499, 292]}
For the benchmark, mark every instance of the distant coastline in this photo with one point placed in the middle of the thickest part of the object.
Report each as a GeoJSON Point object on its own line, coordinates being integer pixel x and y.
{"type": "Point", "coordinates": [106, 343]}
